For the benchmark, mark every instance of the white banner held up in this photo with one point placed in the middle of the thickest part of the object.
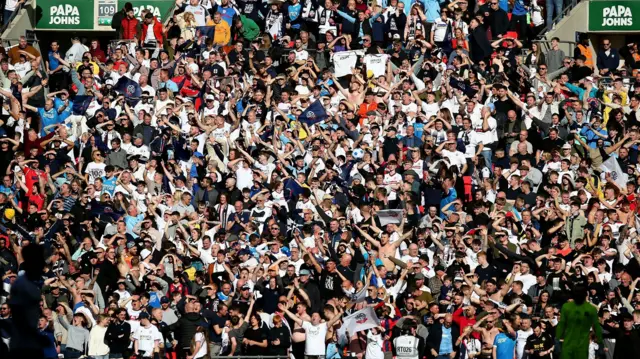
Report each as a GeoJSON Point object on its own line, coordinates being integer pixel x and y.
{"type": "Point", "coordinates": [387, 216]}
{"type": "Point", "coordinates": [612, 166]}
{"type": "Point", "coordinates": [361, 320]}
{"type": "Point", "coordinates": [377, 64]}
{"type": "Point", "coordinates": [344, 62]}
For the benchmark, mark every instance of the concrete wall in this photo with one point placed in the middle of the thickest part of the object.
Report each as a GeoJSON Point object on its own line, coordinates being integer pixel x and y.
{"type": "Point", "coordinates": [566, 29]}
{"type": "Point", "coordinates": [24, 21]}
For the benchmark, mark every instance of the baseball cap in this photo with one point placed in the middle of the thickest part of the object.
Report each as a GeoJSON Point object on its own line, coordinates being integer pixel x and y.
{"type": "Point", "coordinates": [304, 272]}
{"type": "Point", "coordinates": [143, 315]}
{"type": "Point", "coordinates": [390, 275]}
{"type": "Point", "coordinates": [164, 300]}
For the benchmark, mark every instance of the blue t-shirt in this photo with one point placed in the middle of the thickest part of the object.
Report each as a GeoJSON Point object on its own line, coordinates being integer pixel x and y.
{"type": "Point", "coordinates": [324, 91]}
{"type": "Point", "coordinates": [418, 129]}
{"type": "Point", "coordinates": [58, 103]}
{"type": "Point", "coordinates": [505, 346]}
{"type": "Point", "coordinates": [154, 300]}
{"type": "Point", "coordinates": [294, 13]}
{"type": "Point", "coordinates": [227, 14]}
{"type": "Point", "coordinates": [109, 185]}
{"type": "Point", "coordinates": [48, 118]}
{"type": "Point", "coordinates": [446, 344]}
{"type": "Point", "coordinates": [448, 198]}
{"type": "Point", "coordinates": [53, 62]}
{"type": "Point", "coordinates": [519, 8]}
{"type": "Point", "coordinates": [169, 85]}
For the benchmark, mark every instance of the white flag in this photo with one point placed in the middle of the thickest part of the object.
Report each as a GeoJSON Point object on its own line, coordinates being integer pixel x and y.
{"type": "Point", "coordinates": [361, 320]}
{"type": "Point", "coordinates": [612, 166]}
{"type": "Point", "coordinates": [387, 216]}
{"type": "Point", "coordinates": [344, 62]}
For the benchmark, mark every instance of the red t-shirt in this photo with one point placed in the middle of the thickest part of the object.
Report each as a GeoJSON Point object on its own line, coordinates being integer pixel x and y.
{"type": "Point", "coordinates": [32, 178]}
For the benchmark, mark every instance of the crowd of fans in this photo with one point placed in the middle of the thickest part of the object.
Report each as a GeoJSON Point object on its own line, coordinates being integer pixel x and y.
{"type": "Point", "coordinates": [242, 178]}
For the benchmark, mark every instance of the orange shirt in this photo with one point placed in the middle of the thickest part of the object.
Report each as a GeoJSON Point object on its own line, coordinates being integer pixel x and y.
{"type": "Point", "coordinates": [366, 107]}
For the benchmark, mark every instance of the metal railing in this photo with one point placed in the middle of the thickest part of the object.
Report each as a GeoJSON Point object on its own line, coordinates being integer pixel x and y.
{"type": "Point", "coordinates": [565, 11]}
{"type": "Point", "coordinates": [607, 80]}
{"type": "Point", "coordinates": [169, 14]}
{"type": "Point", "coordinates": [546, 45]}
{"type": "Point", "coordinates": [15, 13]}
{"type": "Point", "coordinates": [32, 40]}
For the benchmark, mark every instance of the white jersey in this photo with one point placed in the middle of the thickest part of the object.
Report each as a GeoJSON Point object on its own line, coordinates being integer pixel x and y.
{"type": "Point", "coordinates": [146, 338]}
{"type": "Point", "coordinates": [406, 347]}
{"type": "Point", "coordinates": [199, 13]}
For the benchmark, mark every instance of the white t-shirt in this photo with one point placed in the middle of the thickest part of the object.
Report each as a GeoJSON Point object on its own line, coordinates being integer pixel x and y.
{"type": "Point", "coordinates": [199, 13]}
{"type": "Point", "coordinates": [203, 346]}
{"type": "Point", "coordinates": [314, 345]}
{"type": "Point", "coordinates": [244, 178]}
{"type": "Point", "coordinates": [521, 341]}
{"type": "Point", "coordinates": [95, 170]}
{"type": "Point", "coordinates": [252, 262]}
{"type": "Point", "coordinates": [491, 135]}
{"type": "Point", "coordinates": [301, 55]}
{"type": "Point", "coordinates": [471, 141]}
{"type": "Point", "coordinates": [439, 29]}
{"type": "Point", "coordinates": [206, 257]}
{"type": "Point", "coordinates": [456, 158]}
{"type": "Point", "coordinates": [374, 346]}
{"type": "Point", "coordinates": [146, 338]}
{"type": "Point", "coordinates": [528, 280]}
{"type": "Point", "coordinates": [150, 35]}
{"type": "Point", "coordinates": [392, 180]}
{"type": "Point", "coordinates": [430, 109]}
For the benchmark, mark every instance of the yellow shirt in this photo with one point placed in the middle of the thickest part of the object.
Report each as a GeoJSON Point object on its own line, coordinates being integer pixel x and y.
{"type": "Point", "coordinates": [94, 67]}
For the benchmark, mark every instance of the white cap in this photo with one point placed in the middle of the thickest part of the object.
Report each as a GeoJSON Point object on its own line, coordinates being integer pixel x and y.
{"type": "Point", "coordinates": [209, 97]}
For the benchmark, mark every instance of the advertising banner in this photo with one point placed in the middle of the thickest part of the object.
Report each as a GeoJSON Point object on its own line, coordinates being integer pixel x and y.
{"type": "Point", "coordinates": [612, 16]}
{"type": "Point", "coordinates": [158, 8]}
{"type": "Point", "coordinates": [66, 14]}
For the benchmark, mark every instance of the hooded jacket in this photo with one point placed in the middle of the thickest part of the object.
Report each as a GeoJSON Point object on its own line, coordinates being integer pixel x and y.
{"type": "Point", "coordinates": [97, 53]}
{"type": "Point", "coordinates": [185, 329]}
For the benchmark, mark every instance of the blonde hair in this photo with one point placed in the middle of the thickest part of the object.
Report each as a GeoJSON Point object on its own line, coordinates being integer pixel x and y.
{"type": "Point", "coordinates": [189, 18]}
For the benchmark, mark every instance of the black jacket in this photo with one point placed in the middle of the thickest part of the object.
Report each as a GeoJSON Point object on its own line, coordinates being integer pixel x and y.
{"type": "Point", "coordinates": [185, 328]}
{"type": "Point", "coordinates": [498, 22]}
{"type": "Point", "coordinates": [116, 20]}
{"type": "Point", "coordinates": [479, 45]}
{"type": "Point", "coordinates": [284, 336]}
{"type": "Point", "coordinates": [435, 338]}
{"type": "Point", "coordinates": [118, 337]}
